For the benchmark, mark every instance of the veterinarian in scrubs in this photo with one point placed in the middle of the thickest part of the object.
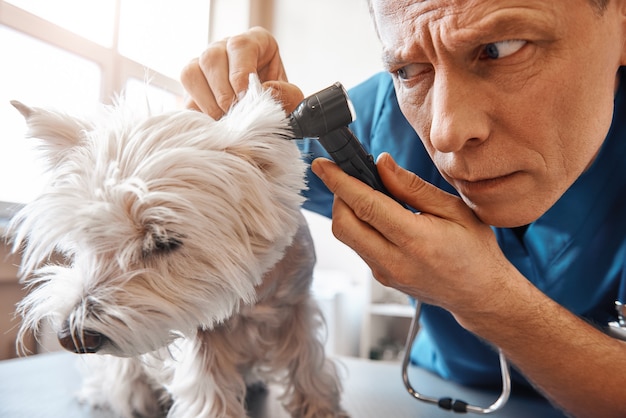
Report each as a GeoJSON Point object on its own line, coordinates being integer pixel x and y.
{"type": "Point", "coordinates": [509, 120]}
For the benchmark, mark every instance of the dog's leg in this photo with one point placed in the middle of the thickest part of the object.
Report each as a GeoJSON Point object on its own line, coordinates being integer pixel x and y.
{"type": "Point", "coordinates": [206, 382]}
{"type": "Point", "coordinates": [313, 386]}
{"type": "Point", "coordinates": [294, 326]}
{"type": "Point", "coordinates": [122, 385]}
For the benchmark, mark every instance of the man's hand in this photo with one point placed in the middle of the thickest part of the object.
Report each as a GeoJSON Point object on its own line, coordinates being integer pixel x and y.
{"type": "Point", "coordinates": [443, 255]}
{"type": "Point", "coordinates": [219, 75]}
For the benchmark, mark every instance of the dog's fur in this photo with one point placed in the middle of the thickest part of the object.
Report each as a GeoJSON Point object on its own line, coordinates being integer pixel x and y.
{"type": "Point", "coordinates": [187, 257]}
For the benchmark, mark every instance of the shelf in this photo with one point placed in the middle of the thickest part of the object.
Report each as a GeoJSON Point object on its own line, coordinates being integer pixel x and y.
{"type": "Point", "coordinates": [392, 309]}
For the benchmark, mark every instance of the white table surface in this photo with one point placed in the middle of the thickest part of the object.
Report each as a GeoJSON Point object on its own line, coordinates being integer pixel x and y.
{"type": "Point", "coordinates": [42, 386]}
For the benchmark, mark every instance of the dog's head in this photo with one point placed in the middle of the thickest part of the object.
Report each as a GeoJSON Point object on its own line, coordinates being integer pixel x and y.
{"type": "Point", "coordinates": [165, 223]}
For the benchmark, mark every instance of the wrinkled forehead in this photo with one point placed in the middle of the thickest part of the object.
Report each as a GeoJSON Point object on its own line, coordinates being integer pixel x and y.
{"type": "Point", "coordinates": [463, 13]}
{"type": "Point", "coordinates": [403, 11]}
{"type": "Point", "coordinates": [398, 21]}
{"type": "Point", "coordinates": [417, 12]}
{"type": "Point", "coordinates": [404, 25]}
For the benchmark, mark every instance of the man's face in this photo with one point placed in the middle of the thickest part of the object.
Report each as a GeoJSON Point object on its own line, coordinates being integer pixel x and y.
{"type": "Point", "coordinates": [512, 98]}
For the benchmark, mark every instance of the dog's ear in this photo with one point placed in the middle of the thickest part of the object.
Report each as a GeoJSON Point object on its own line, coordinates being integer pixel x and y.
{"type": "Point", "coordinates": [260, 127]}
{"type": "Point", "coordinates": [256, 111]}
{"type": "Point", "coordinates": [58, 131]}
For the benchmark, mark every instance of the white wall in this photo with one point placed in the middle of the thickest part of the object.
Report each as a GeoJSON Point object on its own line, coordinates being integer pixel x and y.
{"type": "Point", "coordinates": [324, 41]}
{"type": "Point", "coordinates": [340, 286]}
{"type": "Point", "coordinates": [321, 41]}
{"type": "Point", "coordinates": [228, 17]}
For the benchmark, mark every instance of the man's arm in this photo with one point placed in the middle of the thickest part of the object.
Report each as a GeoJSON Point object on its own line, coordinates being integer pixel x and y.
{"type": "Point", "coordinates": [446, 257]}
{"type": "Point", "coordinates": [578, 367]}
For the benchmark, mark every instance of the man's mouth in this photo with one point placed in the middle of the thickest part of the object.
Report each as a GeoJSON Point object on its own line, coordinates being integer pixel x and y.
{"type": "Point", "coordinates": [483, 185]}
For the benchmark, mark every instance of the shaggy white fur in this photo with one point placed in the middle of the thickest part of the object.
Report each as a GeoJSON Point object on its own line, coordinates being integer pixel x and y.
{"type": "Point", "coordinates": [188, 262]}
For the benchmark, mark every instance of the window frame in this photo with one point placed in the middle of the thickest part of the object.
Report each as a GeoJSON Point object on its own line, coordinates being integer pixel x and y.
{"type": "Point", "coordinates": [116, 68]}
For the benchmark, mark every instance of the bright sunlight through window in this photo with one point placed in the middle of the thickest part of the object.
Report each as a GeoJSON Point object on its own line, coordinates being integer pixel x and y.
{"type": "Point", "coordinates": [72, 54]}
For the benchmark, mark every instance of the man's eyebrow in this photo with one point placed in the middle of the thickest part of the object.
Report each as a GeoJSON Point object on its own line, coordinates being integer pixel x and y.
{"type": "Point", "coordinates": [389, 59]}
{"type": "Point", "coordinates": [511, 24]}
{"type": "Point", "coordinates": [500, 25]}
{"type": "Point", "coordinates": [506, 24]}
{"type": "Point", "coordinates": [392, 60]}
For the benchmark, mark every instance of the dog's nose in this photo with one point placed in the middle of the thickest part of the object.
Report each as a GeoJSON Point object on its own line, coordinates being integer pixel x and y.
{"type": "Point", "coordinates": [88, 342]}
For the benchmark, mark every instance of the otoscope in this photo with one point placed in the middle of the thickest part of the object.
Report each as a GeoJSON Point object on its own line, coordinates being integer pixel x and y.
{"type": "Point", "coordinates": [325, 115]}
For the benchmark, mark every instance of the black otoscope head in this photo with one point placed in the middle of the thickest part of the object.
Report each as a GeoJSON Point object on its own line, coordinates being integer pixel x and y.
{"type": "Point", "coordinates": [322, 113]}
{"type": "Point", "coordinates": [326, 115]}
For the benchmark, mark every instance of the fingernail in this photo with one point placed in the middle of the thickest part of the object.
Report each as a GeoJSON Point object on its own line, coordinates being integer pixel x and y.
{"type": "Point", "coordinates": [385, 160]}
{"type": "Point", "coordinates": [317, 168]}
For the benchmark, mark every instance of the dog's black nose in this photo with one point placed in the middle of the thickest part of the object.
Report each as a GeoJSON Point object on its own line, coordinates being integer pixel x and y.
{"type": "Point", "coordinates": [88, 342]}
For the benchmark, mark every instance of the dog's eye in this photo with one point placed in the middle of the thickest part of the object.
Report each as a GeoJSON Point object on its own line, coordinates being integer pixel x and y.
{"type": "Point", "coordinates": [168, 244]}
{"type": "Point", "coordinates": [161, 243]}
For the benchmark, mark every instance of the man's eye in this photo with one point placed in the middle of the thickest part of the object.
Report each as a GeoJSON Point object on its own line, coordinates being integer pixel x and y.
{"type": "Point", "coordinates": [411, 71]}
{"type": "Point", "coordinates": [401, 73]}
{"type": "Point", "coordinates": [501, 49]}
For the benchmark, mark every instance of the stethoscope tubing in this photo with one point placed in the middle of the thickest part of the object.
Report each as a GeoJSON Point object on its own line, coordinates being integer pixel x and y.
{"type": "Point", "coordinates": [450, 403]}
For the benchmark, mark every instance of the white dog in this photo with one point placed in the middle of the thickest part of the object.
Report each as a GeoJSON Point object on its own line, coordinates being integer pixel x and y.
{"type": "Point", "coordinates": [187, 260]}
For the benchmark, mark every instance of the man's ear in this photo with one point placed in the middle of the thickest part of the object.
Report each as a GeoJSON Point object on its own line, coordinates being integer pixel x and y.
{"type": "Point", "coordinates": [59, 132]}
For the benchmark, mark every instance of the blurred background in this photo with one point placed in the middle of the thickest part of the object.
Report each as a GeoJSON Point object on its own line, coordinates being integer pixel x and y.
{"type": "Point", "coordinates": [72, 54]}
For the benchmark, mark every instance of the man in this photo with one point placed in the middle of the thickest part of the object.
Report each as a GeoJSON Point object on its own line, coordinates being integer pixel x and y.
{"type": "Point", "coordinates": [521, 108]}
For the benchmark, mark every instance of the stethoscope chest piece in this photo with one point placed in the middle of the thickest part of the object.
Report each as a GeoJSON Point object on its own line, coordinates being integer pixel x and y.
{"type": "Point", "coordinates": [617, 329]}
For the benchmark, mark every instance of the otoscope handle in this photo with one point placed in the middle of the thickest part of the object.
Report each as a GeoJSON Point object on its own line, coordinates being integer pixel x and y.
{"type": "Point", "coordinates": [325, 116]}
{"type": "Point", "coordinates": [348, 153]}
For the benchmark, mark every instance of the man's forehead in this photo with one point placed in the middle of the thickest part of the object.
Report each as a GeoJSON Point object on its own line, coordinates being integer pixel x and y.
{"type": "Point", "coordinates": [408, 27]}
{"type": "Point", "coordinates": [409, 17]}
{"type": "Point", "coordinates": [400, 8]}
{"type": "Point", "coordinates": [394, 7]}
{"type": "Point", "coordinates": [416, 13]}
{"type": "Point", "coordinates": [397, 20]}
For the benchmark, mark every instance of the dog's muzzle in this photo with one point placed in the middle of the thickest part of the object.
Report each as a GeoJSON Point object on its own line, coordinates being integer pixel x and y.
{"type": "Point", "coordinates": [83, 342]}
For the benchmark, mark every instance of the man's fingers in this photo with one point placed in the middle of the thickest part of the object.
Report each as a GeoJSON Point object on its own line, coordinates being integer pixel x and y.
{"type": "Point", "coordinates": [260, 56]}
{"type": "Point", "coordinates": [215, 64]}
{"type": "Point", "coordinates": [384, 214]}
{"type": "Point", "coordinates": [200, 92]}
{"type": "Point", "coordinates": [221, 73]}
{"type": "Point", "coordinates": [286, 93]}
{"type": "Point", "coordinates": [345, 222]}
{"type": "Point", "coordinates": [255, 51]}
{"type": "Point", "coordinates": [190, 104]}
{"type": "Point", "coordinates": [370, 206]}
{"type": "Point", "coordinates": [370, 226]}
{"type": "Point", "coordinates": [416, 192]}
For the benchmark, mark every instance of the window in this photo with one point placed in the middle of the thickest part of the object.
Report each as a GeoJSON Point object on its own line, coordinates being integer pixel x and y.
{"type": "Point", "coordinates": [72, 54]}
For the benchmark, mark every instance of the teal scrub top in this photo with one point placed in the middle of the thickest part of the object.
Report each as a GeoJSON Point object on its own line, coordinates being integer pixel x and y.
{"type": "Point", "coordinates": [574, 253]}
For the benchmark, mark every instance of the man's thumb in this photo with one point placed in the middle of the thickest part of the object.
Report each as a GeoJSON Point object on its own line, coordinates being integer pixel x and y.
{"type": "Point", "coordinates": [289, 95]}
{"type": "Point", "coordinates": [413, 190]}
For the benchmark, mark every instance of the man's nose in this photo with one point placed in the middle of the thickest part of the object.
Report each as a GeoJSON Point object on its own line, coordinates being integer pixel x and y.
{"type": "Point", "coordinates": [459, 112]}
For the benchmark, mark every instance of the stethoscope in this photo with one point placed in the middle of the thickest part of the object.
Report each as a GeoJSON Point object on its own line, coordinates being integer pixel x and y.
{"type": "Point", "coordinates": [616, 329]}
{"type": "Point", "coordinates": [451, 404]}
